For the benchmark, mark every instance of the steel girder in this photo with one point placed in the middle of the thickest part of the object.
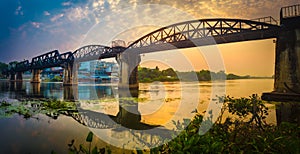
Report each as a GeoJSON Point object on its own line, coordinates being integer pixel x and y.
{"type": "Point", "coordinates": [204, 32]}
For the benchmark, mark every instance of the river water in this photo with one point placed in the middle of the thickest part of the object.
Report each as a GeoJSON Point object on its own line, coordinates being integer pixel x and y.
{"type": "Point", "coordinates": [100, 106]}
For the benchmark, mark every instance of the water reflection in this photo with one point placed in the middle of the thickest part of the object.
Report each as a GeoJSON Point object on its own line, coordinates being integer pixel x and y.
{"type": "Point", "coordinates": [125, 126]}
{"type": "Point", "coordinates": [70, 93]}
{"type": "Point", "coordinates": [85, 99]}
{"type": "Point", "coordinates": [121, 108]}
{"type": "Point", "coordinates": [288, 112]}
{"type": "Point", "coordinates": [23, 90]}
{"type": "Point", "coordinates": [119, 115]}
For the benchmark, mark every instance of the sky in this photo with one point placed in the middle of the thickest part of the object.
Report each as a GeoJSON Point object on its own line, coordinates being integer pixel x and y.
{"type": "Point", "coordinates": [32, 27]}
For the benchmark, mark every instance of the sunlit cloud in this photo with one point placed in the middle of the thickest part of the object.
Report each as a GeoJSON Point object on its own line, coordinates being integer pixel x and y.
{"type": "Point", "coordinates": [56, 17]}
{"type": "Point", "coordinates": [97, 4]}
{"type": "Point", "coordinates": [232, 9]}
{"type": "Point", "coordinates": [77, 14]}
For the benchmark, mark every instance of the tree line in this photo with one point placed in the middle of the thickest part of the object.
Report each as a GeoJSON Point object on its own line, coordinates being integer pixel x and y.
{"type": "Point", "coordinates": [150, 75]}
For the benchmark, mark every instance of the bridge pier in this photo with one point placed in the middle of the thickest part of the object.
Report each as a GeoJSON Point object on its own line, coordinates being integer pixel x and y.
{"type": "Point", "coordinates": [70, 93]}
{"type": "Point", "coordinates": [19, 76]}
{"type": "Point", "coordinates": [35, 76]}
{"type": "Point", "coordinates": [128, 70]}
{"type": "Point", "coordinates": [287, 63]}
{"type": "Point", "coordinates": [12, 76]}
{"type": "Point", "coordinates": [128, 115]}
{"type": "Point", "coordinates": [36, 89]}
{"type": "Point", "coordinates": [71, 74]}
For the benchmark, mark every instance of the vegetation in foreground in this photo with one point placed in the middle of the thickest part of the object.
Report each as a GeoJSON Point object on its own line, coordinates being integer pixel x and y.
{"type": "Point", "coordinates": [28, 109]}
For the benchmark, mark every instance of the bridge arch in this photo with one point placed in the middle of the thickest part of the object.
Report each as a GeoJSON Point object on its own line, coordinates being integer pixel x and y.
{"type": "Point", "coordinates": [201, 32]}
{"type": "Point", "coordinates": [90, 52]}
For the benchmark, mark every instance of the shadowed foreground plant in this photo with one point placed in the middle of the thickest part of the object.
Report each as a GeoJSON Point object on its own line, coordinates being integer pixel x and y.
{"type": "Point", "coordinates": [83, 149]}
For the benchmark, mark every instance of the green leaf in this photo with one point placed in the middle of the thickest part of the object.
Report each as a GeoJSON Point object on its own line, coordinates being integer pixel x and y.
{"type": "Point", "coordinates": [138, 151]}
{"type": "Point", "coordinates": [108, 150]}
{"type": "Point", "coordinates": [95, 150]}
{"type": "Point", "coordinates": [83, 149]}
{"type": "Point", "coordinates": [89, 138]}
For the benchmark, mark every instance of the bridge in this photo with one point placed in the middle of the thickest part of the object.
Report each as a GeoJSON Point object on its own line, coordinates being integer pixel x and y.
{"type": "Point", "coordinates": [187, 34]}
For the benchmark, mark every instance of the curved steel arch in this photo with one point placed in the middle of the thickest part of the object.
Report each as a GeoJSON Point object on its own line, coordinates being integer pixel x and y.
{"type": "Point", "coordinates": [204, 32]}
{"type": "Point", "coordinates": [90, 52]}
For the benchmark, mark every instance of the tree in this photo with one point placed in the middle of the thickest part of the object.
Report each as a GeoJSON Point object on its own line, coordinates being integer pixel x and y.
{"type": "Point", "coordinates": [204, 75]}
{"type": "Point", "coordinates": [169, 72]}
{"type": "Point", "coordinates": [3, 66]}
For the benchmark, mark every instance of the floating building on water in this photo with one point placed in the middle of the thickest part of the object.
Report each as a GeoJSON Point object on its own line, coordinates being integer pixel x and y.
{"type": "Point", "coordinates": [96, 70]}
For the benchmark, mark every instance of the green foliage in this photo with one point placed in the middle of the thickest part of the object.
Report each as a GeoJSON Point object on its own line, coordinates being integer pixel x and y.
{"type": "Point", "coordinates": [87, 150]}
{"type": "Point", "coordinates": [150, 75]}
{"type": "Point", "coordinates": [54, 79]}
{"type": "Point", "coordinates": [3, 66]}
{"type": "Point", "coordinates": [89, 138]}
{"type": "Point", "coordinates": [236, 136]}
{"type": "Point", "coordinates": [57, 79]}
{"type": "Point", "coordinates": [27, 109]}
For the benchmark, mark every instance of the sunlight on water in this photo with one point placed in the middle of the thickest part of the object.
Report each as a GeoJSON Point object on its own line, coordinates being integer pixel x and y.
{"type": "Point", "coordinates": [158, 103]}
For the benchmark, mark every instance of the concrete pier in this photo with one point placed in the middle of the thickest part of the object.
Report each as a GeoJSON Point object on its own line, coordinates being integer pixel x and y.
{"type": "Point", "coordinates": [128, 67]}
{"type": "Point", "coordinates": [12, 77]}
{"type": "Point", "coordinates": [19, 76]}
{"type": "Point", "coordinates": [287, 64]}
{"type": "Point", "coordinates": [36, 76]}
{"type": "Point", "coordinates": [71, 74]}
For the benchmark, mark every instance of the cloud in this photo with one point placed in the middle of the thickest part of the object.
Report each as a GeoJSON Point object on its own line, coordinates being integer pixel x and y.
{"type": "Point", "coordinates": [36, 24]}
{"type": "Point", "coordinates": [56, 17]}
{"type": "Point", "coordinates": [46, 13]}
{"type": "Point", "coordinates": [78, 13]}
{"type": "Point", "coordinates": [71, 23]}
{"type": "Point", "coordinates": [66, 3]}
{"type": "Point", "coordinates": [249, 9]}
{"type": "Point", "coordinates": [97, 4]}
{"type": "Point", "coordinates": [19, 11]}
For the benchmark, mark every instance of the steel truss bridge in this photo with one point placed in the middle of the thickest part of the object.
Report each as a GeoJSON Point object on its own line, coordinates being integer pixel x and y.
{"type": "Point", "coordinates": [180, 35]}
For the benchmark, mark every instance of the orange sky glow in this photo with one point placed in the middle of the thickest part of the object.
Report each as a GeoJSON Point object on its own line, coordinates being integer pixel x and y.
{"type": "Point", "coordinates": [255, 58]}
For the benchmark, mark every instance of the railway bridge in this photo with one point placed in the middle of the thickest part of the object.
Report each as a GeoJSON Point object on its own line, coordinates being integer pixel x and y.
{"type": "Point", "coordinates": [188, 34]}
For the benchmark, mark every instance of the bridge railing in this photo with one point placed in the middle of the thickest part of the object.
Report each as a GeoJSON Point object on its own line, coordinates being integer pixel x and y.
{"type": "Point", "coordinates": [268, 20]}
{"type": "Point", "coordinates": [290, 11]}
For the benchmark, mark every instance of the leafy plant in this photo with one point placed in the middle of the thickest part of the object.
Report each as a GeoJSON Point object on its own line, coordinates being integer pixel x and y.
{"type": "Point", "coordinates": [248, 134]}
{"type": "Point", "coordinates": [86, 150]}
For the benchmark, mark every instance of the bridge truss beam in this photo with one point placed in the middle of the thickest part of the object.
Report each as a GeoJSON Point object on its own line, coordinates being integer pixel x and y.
{"type": "Point", "coordinates": [204, 32]}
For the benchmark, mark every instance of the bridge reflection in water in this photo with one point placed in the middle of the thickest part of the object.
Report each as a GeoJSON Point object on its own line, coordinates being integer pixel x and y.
{"type": "Point", "coordinates": [125, 105]}
{"type": "Point", "coordinates": [106, 110]}
{"type": "Point", "coordinates": [123, 119]}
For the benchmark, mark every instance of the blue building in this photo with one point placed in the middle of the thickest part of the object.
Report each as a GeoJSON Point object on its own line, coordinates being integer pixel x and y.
{"type": "Point", "coordinates": [95, 70]}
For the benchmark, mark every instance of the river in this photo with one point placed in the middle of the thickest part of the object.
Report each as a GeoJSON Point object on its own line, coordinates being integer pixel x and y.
{"type": "Point", "coordinates": [157, 104]}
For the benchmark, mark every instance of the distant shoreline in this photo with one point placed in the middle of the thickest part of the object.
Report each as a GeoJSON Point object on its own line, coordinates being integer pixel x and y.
{"type": "Point", "coordinates": [150, 75]}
